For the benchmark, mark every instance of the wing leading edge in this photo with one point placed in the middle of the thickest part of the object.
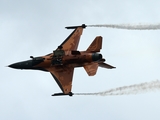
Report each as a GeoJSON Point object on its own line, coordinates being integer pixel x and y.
{"type": "Point", "coordinates": [63, 76]}
{"type": "Point", "coordinates": [72, 41]}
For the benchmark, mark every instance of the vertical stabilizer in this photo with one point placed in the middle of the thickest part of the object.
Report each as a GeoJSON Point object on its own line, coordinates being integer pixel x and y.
{"type": "Point", "coordinates": [96, 45]}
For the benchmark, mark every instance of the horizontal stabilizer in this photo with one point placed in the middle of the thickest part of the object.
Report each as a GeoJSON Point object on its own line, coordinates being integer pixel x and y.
{"type": "Point", "coordinates": [104, 65]}
{"type": "Point", "coordinates": [96, 45]}
{"type": "Point", "coordinates": [91, 69]}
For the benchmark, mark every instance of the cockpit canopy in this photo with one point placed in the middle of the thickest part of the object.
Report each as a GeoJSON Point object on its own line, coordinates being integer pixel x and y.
{"type": "Point", "coordinates": [37, 58]}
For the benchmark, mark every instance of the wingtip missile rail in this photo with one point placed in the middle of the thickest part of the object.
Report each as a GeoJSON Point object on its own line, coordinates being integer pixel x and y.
{"type": "Point", "coordinates": [74, 27]}
{"type": "Point", "coordinates": [62, 94]}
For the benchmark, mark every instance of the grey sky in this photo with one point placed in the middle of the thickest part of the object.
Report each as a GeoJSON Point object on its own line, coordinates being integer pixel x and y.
{"type": "Point", "coordinates": [35, 27]}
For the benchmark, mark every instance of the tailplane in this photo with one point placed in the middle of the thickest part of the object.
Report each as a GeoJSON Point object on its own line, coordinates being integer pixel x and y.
{"type": "Point", "coordinates": [91, 68]}
{"type": "Point", "coordinates": [96, 45]}
{"type": "Point", "coordinates": [105, 65]}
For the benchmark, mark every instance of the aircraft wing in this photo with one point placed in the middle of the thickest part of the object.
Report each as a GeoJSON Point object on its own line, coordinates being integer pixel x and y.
{"type": "Point", "coordinates": [63, 76]}
{"type": "Point", "coordinates": [72, 41]}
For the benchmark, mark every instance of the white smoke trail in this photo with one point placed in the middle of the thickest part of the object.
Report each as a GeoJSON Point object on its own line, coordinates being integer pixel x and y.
{"type": "Point", "coordinates": [126, 90]}
{"type": "Point", "coordinates": [130, 26]}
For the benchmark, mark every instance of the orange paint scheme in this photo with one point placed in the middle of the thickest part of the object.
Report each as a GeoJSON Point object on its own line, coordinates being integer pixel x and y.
{"type": "Point", "coordinates": [65, 58]}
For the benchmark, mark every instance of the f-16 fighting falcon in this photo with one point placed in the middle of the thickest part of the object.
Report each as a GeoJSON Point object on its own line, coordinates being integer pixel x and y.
{"type": "Point", "coordinates": [62, 61]}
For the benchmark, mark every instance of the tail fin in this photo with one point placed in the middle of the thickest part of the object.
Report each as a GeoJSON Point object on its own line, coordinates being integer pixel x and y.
{"type": "Point", "coordinates": [96, 45]}
{"type": "Point", "coordinates": [91, 68]}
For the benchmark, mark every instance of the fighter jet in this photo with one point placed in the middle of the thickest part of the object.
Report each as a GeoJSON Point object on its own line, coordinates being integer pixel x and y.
{"type": "Point", "coordinates": [62, 61]}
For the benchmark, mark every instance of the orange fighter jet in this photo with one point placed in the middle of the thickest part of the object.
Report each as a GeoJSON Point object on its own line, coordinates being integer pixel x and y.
{"type": "Point", "coordinates": [65, 58]}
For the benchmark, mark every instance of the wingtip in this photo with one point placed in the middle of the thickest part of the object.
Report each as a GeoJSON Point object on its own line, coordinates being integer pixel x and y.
{"type": "Point", "coordinates": [74, 27]}
{"type": "Point", "coordinates": [62, 94]}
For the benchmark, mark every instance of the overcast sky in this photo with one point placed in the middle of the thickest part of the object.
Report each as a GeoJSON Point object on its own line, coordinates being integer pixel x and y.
{"type": "Point", "coordinates": [36, 27]}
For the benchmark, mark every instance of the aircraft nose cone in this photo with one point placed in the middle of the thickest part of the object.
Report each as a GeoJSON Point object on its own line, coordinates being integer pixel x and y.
{"type": "Point", "coordinates": [15, 65]}
{"type": "Point", "coordinates": [12, 66]}
{"type": "Point", "coordinates": [22, 65]}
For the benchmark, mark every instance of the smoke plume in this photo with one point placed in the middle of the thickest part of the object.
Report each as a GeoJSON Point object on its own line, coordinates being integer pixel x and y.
{"type": "Point", "coordinates": [126, 90]}
{"type": "Point", "coordinates": [130, 26]}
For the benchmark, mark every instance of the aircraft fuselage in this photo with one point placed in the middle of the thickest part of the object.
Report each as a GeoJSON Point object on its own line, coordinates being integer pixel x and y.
{"type": "Point", "coordinates": [62, 61]}
{"type": "Point", "coordinates": [58, 58]}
